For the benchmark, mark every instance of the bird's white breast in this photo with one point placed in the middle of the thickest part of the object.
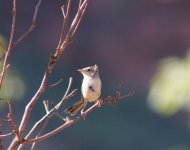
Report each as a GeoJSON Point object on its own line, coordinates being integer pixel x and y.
{"type": "Point", "coordinates": [88, 94]}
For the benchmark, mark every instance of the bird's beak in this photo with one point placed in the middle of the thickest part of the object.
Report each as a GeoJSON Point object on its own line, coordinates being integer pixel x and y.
{"type": "Point", "coordinates": [80, 70]}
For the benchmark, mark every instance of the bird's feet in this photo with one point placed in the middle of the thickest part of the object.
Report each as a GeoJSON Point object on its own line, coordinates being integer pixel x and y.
{"type": "Point", "coordinates": [67, 119]}
{"type": "Point", "coordinates": [98, 102]}
{"type": "Point", "coordinates": [83, 114]}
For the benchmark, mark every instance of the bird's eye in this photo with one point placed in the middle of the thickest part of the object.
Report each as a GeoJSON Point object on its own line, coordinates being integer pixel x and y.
{"type": "Point", "coordinates": [89, 70]}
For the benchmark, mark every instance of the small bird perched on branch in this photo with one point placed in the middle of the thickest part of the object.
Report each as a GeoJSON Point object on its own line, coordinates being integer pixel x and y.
{"type": "Point", "coordinates": [91, 89]}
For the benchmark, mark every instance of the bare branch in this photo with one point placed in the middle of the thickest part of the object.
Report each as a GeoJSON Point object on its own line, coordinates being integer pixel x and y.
{"type": "Point", "coordinates": [12, 123]}
{"type": "Point", "coordinates": [66, 93]}
{"type": "Point", "coordinates": [80, 2]}
{"type": "Point", "coordinates": [51, 65]}
{"type": "Point", "coordinates": [10, 43]}
{"type": "Point", "coordinates": [47, 115]}
{"type": "Point", "coordinates": [66, 37]}
{"type": "Point", "coordinates": [63, 11]}
{"type": "Point", "coordinates": [37, 8]}
{"type": "Point", "coordinates": [78, 17]}
{"type": "Point", "coordinates": [31, 28]}
{"type": "Point", "coordinates": [55, 84]}
{"type": "Point", "coordinates": [5, 135]}
{"type": "Point", "coordinates": [60, 116]}
{"type": "Point", "coordinates": [64, 41]}
{"type": "Point", "coordinates": [39, 134]}
{"type": "Point", "coordinates": [46, 106]}
{"type": "Point", "coordinates": [70, 121]}
{"type": "Point", "coordinates": [57, 130]}
{"type": "Point", "coordinates": [31, 104]}
{"type": "Point", "coordinates": [65, 22]}
{"type": "Point", "coordinates": [82, 13]}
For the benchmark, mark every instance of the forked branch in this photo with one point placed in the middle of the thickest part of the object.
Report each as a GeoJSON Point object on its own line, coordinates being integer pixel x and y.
{"type": "Point", "coordinates": [12, 123]}
{"type": "Point", "coordinates": [7, 54]}
{"type": "Point", "coordinates": [64, 41]}
{"type": "Point", "coordinates": [66, 36]}
{"type": "Point", "coordinates": [12, 44]}
{"type": "Point", "coordinates": [70, 121]}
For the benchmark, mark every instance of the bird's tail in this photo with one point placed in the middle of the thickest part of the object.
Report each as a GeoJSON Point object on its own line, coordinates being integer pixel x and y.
{"type": "Point", "coordinates": [75, 108]}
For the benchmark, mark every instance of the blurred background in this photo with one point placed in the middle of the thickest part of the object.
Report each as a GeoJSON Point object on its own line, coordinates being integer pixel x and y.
{"type": "Point", "coordinates": [142, 43]}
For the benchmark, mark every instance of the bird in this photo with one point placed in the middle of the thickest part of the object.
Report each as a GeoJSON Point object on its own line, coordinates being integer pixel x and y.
{"type": "Point", "coordinates": [90, 89]}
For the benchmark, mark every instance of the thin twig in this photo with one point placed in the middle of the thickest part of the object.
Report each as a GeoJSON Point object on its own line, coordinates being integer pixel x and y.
{"type": "Point", "coordinates": [37, 8]}
{"type": "Point", "coordinates": [23, 36]}
{"type": "Point", "coordinates": [74, 25]}
{"type": "Point", "coordinates": [50, 112]}
{"type": "Point", "coordinates": [12, 123]}
{"type": "Point", "coordinates": [80, 2]}
{"type": "Point", "coordinates": [31, 28]}
{"type": "Point", "coordinates": [78, 16]}
{"type": "Point", "coordinates": [57, 130]}
{"type": "Point", "coordinates": [66, 93]}
{"type": "Point", "coordinates": [39, 134]}
{"type": "Point", "coordinates": [46, 117]}
{"type": "Point", "coordinates": [60, 116]}
{"type": "Point", "coordinates": [30, 105]}
{"type": "Point", "coordinates": [63, 11]}
{"type": "Point", "coordinates": [46, 122]}
{"type": "Point", "coordinates": [53, 110]}
{"type": "Point", "coordinates": [55, 84]}
{"type": "Point", "coordinates": [10, 42]}
{"type": "Point", "coordinates": [46, 106]}
{"type": "Point", "coordinates": [81, 16]}
{"type": "Point", "coordinates": [5, 135]}
{"type": "Point", "coordinates": [65, 22]}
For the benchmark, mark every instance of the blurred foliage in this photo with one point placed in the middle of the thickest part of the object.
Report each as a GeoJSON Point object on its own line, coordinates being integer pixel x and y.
{"type": "Point", "coordinates": [170, 86]}
{"type": "Point", "coordinates": [13, 86]}
{"type": "Point", "coordinates": [3, 43]}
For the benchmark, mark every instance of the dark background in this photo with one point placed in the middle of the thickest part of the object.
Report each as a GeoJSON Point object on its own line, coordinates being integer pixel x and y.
{"type": "Point", "coordinates": [126, 38]}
